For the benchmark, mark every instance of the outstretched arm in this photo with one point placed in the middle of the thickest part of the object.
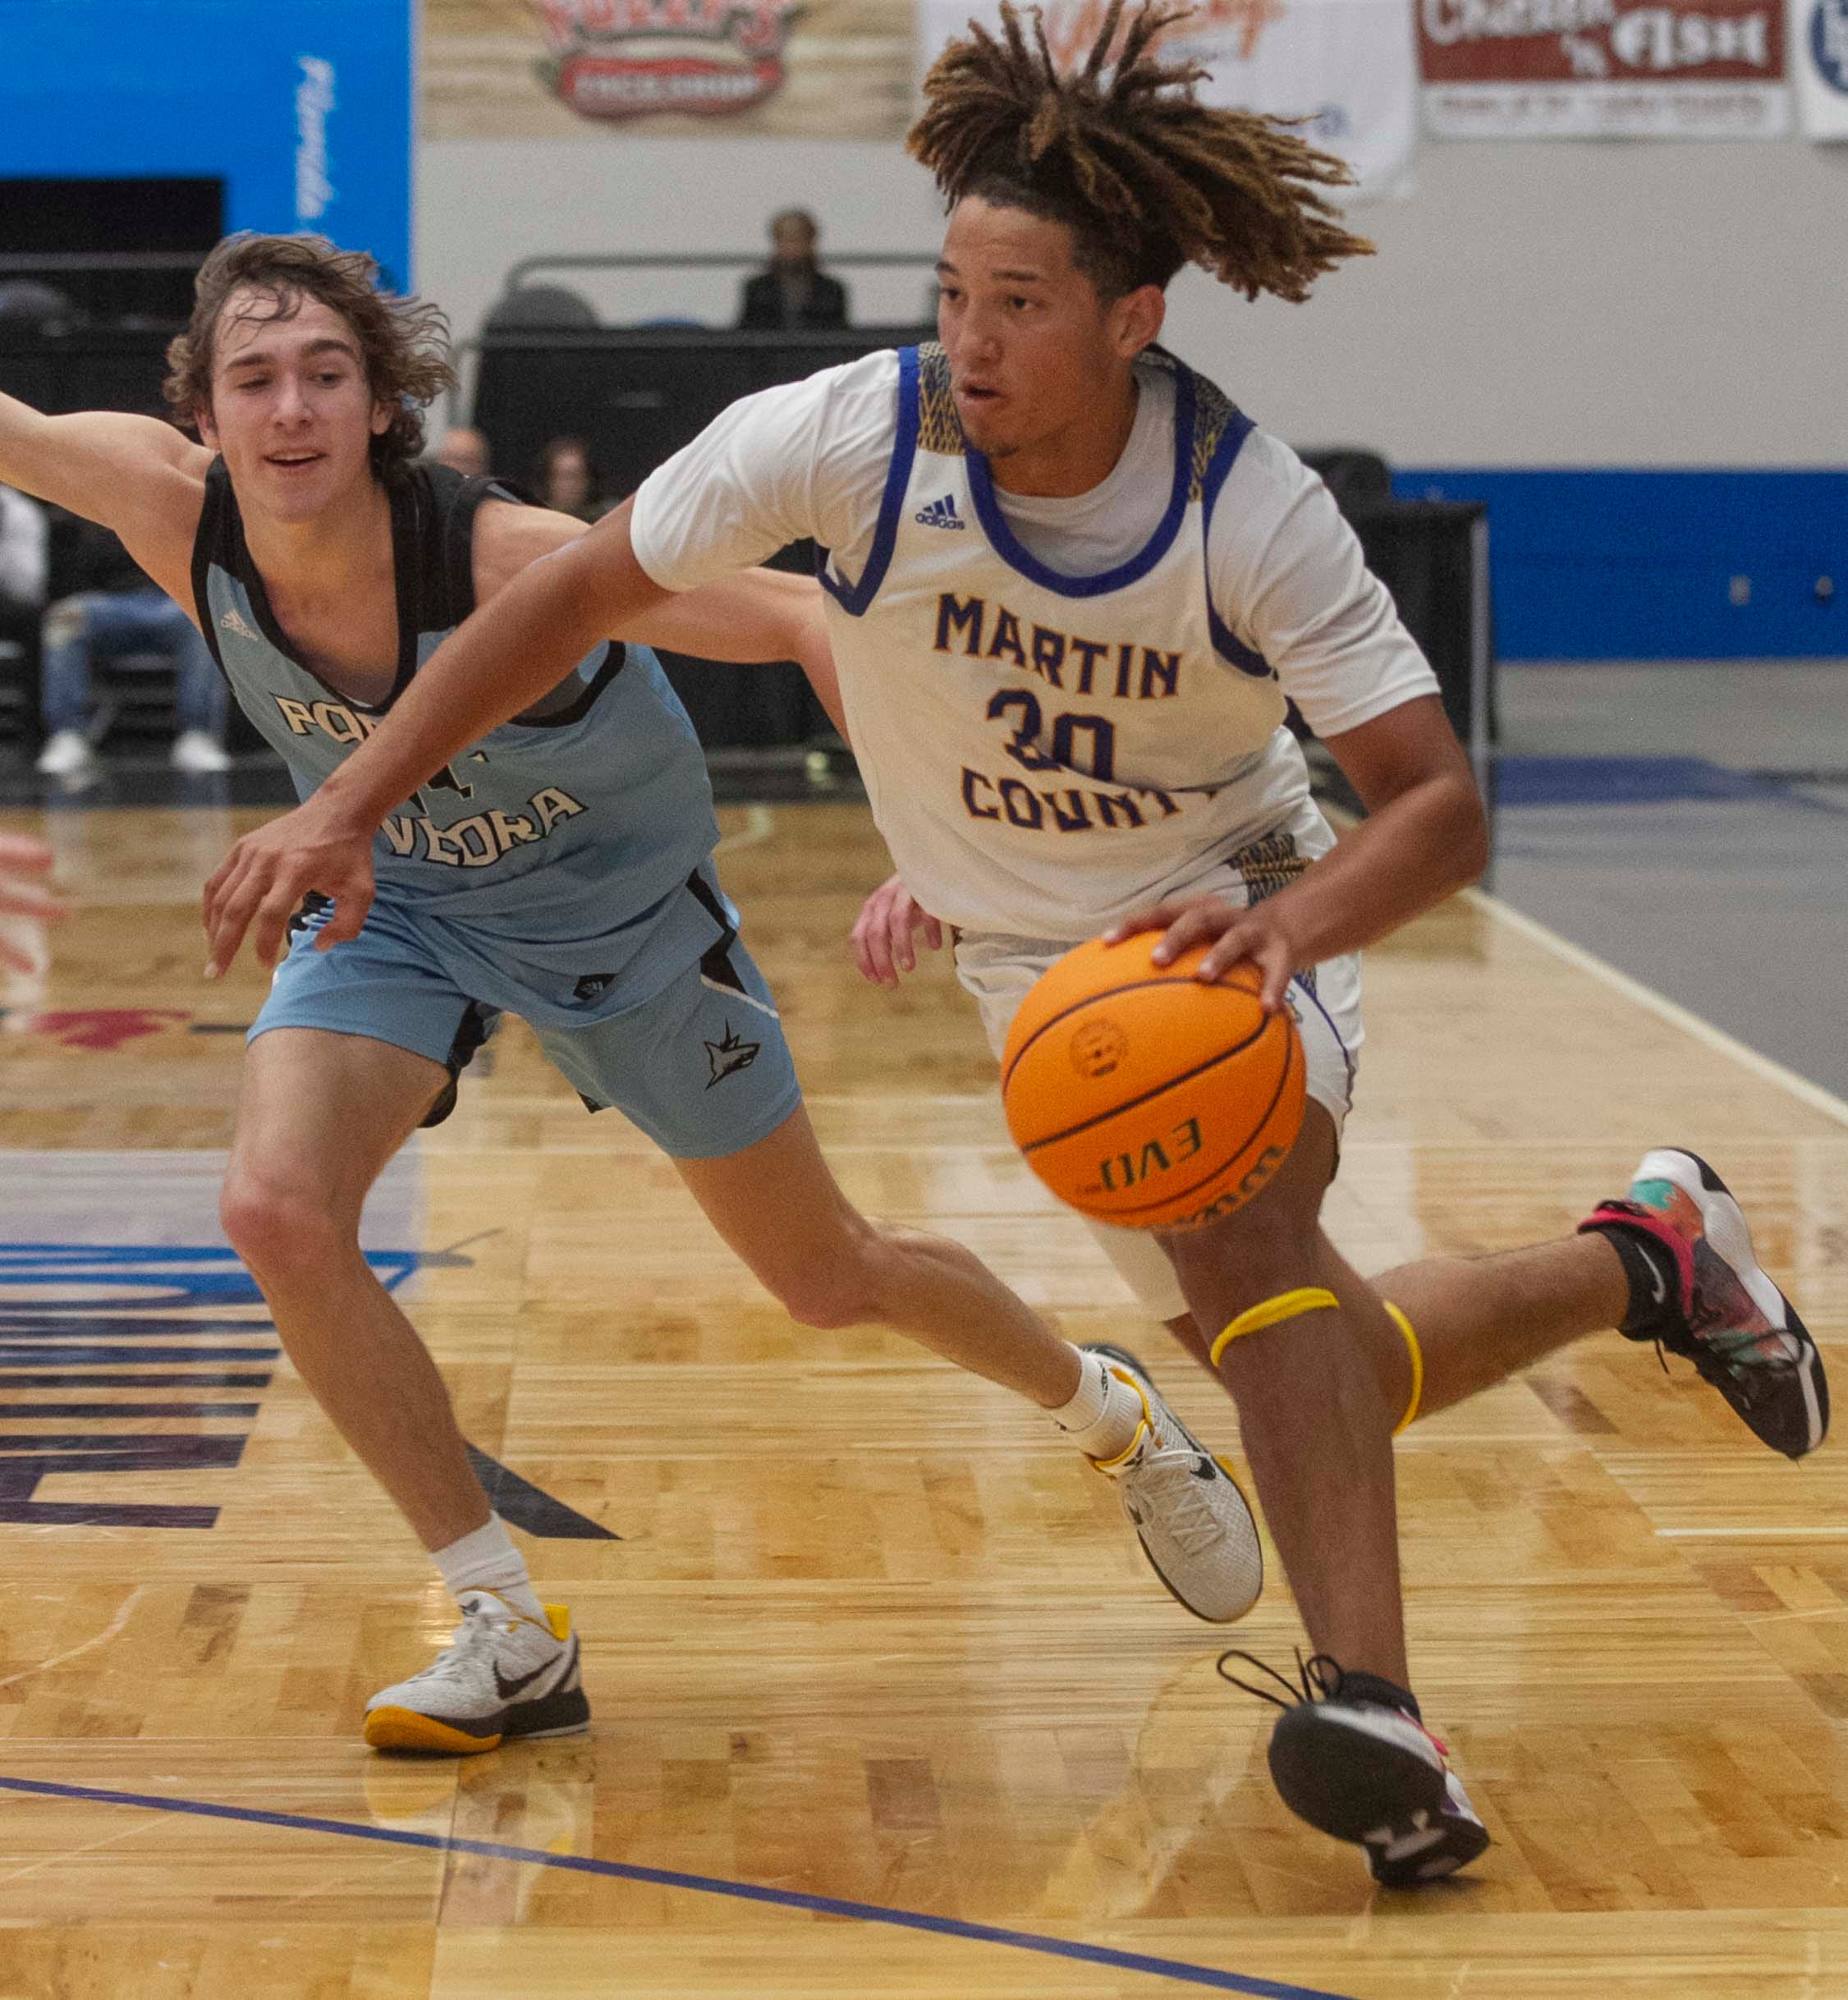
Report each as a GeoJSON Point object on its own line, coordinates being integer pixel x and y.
{"type": "Point", "coordinates": [515, 648]}
{"type": "Point", "coordinates": [758, 614]}
{"type": "Point", "coordinates": [135, 474]}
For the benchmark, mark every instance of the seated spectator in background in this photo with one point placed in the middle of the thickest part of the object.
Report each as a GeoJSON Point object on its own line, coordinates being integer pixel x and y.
{"type": "Point", "coordinates": [795, 291]}
{"type": "Point", "coordinates": [463, 450]}
{"type": "Point", "coordinates": [565, 478]}
{"type": "Point", "coordinates": [115, 609]}
{"type": "Point", "coordinates": [24, 536]}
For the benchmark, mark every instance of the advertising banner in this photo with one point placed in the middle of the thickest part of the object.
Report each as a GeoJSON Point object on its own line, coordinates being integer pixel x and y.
{"type": "Point", "coordinates": [849, 68]}
{"type": "Point", "coordinates": [582, 69]}
{"type": "Point", "coordinates": [1348, 66]}
{"type": "Point", "coordinates": [1818, 47]}
{"type": "Point", "coordinates": [1599, 69]}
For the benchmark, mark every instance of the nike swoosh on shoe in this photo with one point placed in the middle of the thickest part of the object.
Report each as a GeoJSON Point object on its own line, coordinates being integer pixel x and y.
{"type": "Point", "coordinates": [507, 1689]}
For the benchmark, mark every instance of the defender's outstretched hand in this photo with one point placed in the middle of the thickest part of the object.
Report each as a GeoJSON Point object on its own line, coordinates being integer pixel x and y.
{"type": "Point", "coordinates": [1256, 935]}
{"type": "Point", "coordinates": [882, 934]}
{"type": "Point", "coordinates": [261, 882]}
{"type": "Point", "coordinates": [21, 856]}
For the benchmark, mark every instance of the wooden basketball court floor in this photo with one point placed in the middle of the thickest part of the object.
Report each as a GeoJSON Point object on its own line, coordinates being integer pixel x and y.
{"type": "Point", "coordinates": [874, 1716]}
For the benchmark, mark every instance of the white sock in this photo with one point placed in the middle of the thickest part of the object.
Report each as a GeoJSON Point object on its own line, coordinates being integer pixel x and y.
{"type": "Point", "coordinates": [1101, 1419]}
{"type": "Point", "coordinates": [486, 1560]}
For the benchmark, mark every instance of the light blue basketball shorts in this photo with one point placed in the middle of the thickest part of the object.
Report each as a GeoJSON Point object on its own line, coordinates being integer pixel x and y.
{"type": "Point", "coordinates": [698, 1062]}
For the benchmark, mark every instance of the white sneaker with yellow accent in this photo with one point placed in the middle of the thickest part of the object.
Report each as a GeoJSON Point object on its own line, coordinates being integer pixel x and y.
{"type": "Point", "coordinates": [1193, 1521]}
{"type": "Point", "coordinates": [503, 1675]}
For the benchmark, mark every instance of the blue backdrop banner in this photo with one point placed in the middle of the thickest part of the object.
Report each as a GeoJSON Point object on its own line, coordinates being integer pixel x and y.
{"type": "Point", "coordinates": [302, 106]}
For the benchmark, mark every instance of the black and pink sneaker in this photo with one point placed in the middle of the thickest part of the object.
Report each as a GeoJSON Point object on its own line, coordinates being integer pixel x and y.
{"type": "Point", "coordinates": [1351, 1756]}
{"type": "Point", "coordinates": [1696, 1287]}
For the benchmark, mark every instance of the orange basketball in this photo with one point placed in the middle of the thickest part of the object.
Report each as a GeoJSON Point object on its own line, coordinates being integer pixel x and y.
{"type": "Point", "coordinates": [1145, 1098]}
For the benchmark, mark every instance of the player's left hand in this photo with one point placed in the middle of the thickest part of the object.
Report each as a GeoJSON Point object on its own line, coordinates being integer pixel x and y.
{"type": "Point", "coordinates": [1258, 935]}
{"type": "Point", "coordinates": [22, 855]}
{"type": "Point", "coordinates": [260, 883]}
{"type": "Point", "coordinates": [883, 932]}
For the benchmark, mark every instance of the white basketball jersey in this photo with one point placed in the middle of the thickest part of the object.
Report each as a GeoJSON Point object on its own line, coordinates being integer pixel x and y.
{"type": "Point", "coordinates": [1044, 751]}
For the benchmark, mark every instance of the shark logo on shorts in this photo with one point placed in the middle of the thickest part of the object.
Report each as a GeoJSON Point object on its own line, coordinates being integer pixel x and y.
{"type": "Point", "coordinates": [730, 1056]}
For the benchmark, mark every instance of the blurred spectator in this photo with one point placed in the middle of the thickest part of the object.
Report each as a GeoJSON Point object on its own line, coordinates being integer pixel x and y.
{"type": "Point", "coordinates": [37, 304]}
{"type": "Point", "coordinates": [464, 450]}
{"type": "Point", "coordinates": [117, 609]}
{"type": "Point", "coordinates": [565, 478]}
{"type": "Point", "coordinates": [24, 536]}
{"type": "Point", "coordinates": [795, 291]}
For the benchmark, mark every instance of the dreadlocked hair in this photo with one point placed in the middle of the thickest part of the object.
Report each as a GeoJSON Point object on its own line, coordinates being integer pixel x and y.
{"type": "Point", "coordinates": [1147, 177]}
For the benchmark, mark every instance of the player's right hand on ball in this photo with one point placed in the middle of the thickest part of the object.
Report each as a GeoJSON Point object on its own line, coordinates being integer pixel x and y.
{"type": "Point", "coordinates": [883, 935]}
{"type": "Point", "coordinates": [260, 883]}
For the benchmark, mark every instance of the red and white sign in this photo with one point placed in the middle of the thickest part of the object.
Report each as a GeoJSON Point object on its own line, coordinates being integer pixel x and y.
{"type": "Point", "coordinates": [627, 58]}
{"type": "Point", "coordinates": [1591, 69]}
{"type": "Point", "coordinates": [1347, 67]}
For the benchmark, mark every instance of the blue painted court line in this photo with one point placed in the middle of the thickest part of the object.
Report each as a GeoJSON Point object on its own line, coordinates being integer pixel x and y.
{"type": "Point", "coordinates": [1177, 1968]}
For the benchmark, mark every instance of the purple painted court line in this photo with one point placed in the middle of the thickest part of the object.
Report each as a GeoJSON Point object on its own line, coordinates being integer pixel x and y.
{"type": "Point", "coordinates": [1177, 1969]}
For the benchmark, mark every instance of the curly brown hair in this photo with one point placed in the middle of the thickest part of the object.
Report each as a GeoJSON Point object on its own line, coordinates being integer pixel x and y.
{"type": "Point", "coordinates": [404, 340]}
{"type": "Point", "coordinates": [1146, 176]}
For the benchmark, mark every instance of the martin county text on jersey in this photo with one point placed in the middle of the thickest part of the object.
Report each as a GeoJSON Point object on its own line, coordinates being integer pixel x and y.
{"type": "Point", "coordinates": [1136, 672]}
{"type": "Point", "coordinates": [479, 840]}
{"type": "Point", "coordinates": [1079, 745]}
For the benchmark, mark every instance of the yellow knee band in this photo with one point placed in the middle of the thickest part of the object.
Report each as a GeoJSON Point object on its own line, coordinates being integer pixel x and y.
{"type": "Point", "coordinates": [1417, 1354]}
{"type": "Point", "coordinates": [1285, 1305]}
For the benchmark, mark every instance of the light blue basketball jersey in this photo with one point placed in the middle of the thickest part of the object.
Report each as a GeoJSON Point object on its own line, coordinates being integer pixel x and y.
{"type": "Point", "coordinates": [555, 841]}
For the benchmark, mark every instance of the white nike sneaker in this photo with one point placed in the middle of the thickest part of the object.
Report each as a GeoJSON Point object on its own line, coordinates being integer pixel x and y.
{"type": "Point", "coordinates": [1193, 1521]}
{"type": "Point", "coordinates": [503, 1675]}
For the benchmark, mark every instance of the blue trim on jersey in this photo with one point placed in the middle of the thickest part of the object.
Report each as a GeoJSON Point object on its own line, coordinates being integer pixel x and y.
{"type": "Point", "coordinates": [856, 599]}
{"type": "Point", "coordinates": [1001, 539]}
{"type": "Point", "coordinates": [1233, 650]}
{"type": "Point", "coordinates": [1226, 642]}
{"type": "Point", "coordinates": [1347, 1054]}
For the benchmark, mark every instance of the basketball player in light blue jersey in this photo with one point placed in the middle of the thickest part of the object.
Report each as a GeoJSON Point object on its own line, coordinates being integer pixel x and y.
{"type": "Point", "coordinates": [557, 865]}
{"type": "Point", "coordinates": [1070, 585]}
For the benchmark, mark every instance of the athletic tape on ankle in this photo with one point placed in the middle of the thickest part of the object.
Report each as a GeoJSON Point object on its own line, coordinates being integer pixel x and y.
{"type": "Point", "coordinates": [1285, 1305]}
{"type": "Point", "coordinates": [1417, 1354]}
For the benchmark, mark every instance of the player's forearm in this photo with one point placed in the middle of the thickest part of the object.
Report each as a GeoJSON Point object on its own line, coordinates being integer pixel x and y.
{"type": "Point", "coordinates": [500, 661]}
{"type": "Point", "coordinates": [1412, 853]}
{"type": "Point", "coordinates": [814, 655]}
{"type": "Point", "coordinates": [758, 614]}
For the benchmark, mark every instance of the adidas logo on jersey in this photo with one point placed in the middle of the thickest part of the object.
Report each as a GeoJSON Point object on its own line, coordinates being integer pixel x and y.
{"type": "Point", "coordinates": [233, 621]}
{"type": "Point", "coordinates": [940, 514]}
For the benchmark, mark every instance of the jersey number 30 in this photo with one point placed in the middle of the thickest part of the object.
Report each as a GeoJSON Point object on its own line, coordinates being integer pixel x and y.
{"type": "Point", "coordinates": [1093, 733]}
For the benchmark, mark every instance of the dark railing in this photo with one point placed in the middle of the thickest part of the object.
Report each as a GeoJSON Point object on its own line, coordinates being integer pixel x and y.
{"type": "Point", "coordinates": [703, 260]}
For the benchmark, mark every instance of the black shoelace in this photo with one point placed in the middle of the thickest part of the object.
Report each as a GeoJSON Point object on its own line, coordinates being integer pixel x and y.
{"type": "Point", "coordinates": [1320, 1675]}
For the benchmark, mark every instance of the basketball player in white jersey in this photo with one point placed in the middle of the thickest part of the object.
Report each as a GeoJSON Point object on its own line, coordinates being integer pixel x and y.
{"type": "Point", "coordinates": [1069, 587]}
{"type": "Point", "coordinates": [561, 871]}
